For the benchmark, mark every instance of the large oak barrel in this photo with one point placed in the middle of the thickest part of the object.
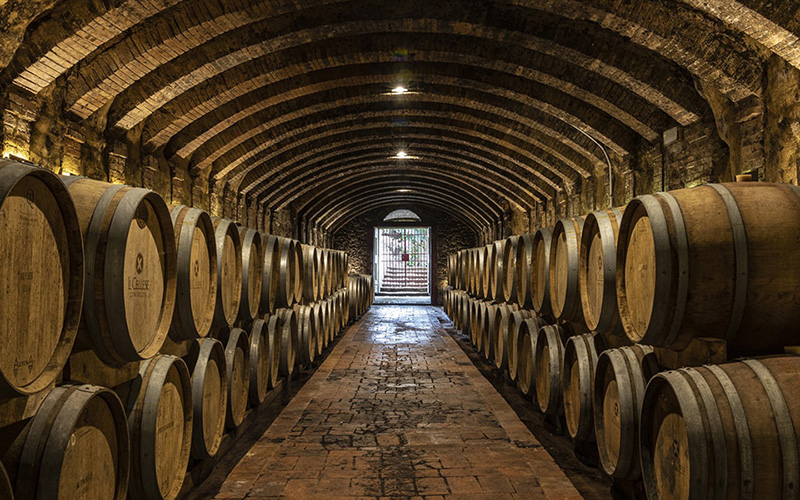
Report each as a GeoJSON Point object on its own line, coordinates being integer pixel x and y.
{"type": "Point", "coordinates": [206, 360]}
{"type": "Point", "coordinates": [512, 340]}
{"type": "Point", "coordinates": [310, 274]}
{"type": "Point", "coordinates": [275, 335]}
{"type": "Point", "coordinates": [130, 263]}
{"type": "Point", "coordinates": [494, 272]}
{"type": "Point", "coordinates": [298, 273]}
{"type": "Point", "coordinates": [306, 334]}
{"type": "Point", "coordinates": [76, 447]}
{"type": "Point", "coordinates": [197, 273]}
{"type": "Point", "coordinates": [319, 314]}
{"type": "Point", "coordinates": [540, 272]}
{"type": "Point", "coordinates": [598, 270]}
{"type": "Point", "coordinates": [485, 277]}
{"type": "Point", "coordinates": [522, 262]}
{"type": "Point", "coordinates": [331, 324]}
{"type": "Point", "coordinates": [619, 384]}
{"type": "Point", "coordinates": [712, 261]}
{"type": "Point", "coordinates": [272, 274]}
{"type": "Point", "coordinates": [565, 292]}
{"type": "Point", "coordinates": [509, 274]}
{"type": "Point", "coordinates": [499, 335]}
{"type": "Point", "coordinates": [41, 284]}
{"type": "Point", "coordinates": [288, 324]}
{"type": "Point", "coordinates": [252, 273]}
{"type": "Point", "coordinates": [260, 362]}
{"type": "Point", "coordinates": [325, 275]}
{"type": "Point", "coordinates": [159, 408]}
{"type": "Point", "coordinates": [229, 272]}
{"type": "Point", "coordinates": [548, 365]}
{"type": "Point", "coordinates": [489, 311]}
{"type": "Point", "coordinates": [727, 431]}
{"type": "Point", "coordinates": [476, 329]}
{"type": "Point", "coordinates": [577, 382]}
{"type": "Point", "coordinates": [237, 362]}
{"type": "Point", "coordinates": [470, 271]}
{"type": "Point", "coordinates": [287, 271]}
{"type": "Point", "coordinates": [527, 335]}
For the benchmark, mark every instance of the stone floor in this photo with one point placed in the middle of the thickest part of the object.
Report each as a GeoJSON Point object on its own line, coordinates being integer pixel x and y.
{"type": "Point", "coordinates": [397, 411]}
{"type": "Point", "coordinates": [403, 300]}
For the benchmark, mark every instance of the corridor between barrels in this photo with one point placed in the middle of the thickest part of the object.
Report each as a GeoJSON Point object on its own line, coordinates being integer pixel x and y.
{"type": "Point", "coordinates": [398, 410]}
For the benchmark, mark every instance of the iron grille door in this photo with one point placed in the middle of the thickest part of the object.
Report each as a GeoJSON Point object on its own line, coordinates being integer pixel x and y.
{"type": "Point", "coordinates": [404, 260]}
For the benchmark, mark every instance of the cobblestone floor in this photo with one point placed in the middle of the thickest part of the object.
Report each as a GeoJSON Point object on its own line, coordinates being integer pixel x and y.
{"type": "Point", "coordinates": [398, 412]}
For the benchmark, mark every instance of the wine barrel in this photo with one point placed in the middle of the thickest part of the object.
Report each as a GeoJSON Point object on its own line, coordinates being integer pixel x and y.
{"type": "Point", "coordinates": [577, 382]}
{"type": "Point", "coordinates": [548, 365]}
{"type": "Point", "coordinates": [512, 340]}
{"type": "Point", "coordinates": [331, 325]}
{"type": "Point", "coordinates": [466, 316]}
{"type": "Point", "coordinates": [476, 323]}
{"type": "Point", "coordinates": [500, 336]}
{"type": "Point", "coordinates": [619, 384]}
{"type": "Point", "coordinates": [76, 447]}
{"type": "Point", "coordinates": [229, 272]}
{"type": "Point", "coordinates": [159, 408]}
{"type": "Point", "coordinates": [206, 361]}
{"type": "Point", "coordinates": [509, 278]}
{"type": "Point", "coordinates": [319, 314]}
{"type": "Point", "coordinates": [287, 271]}
{"type": "Point", "coordinates": [196, 273]}
{"type": "Point", "coordinates": [288, 326]}
{"type": "Point", "coordinates": [565, 293]}
{"type": "Point", "coordinates": [345, 306]}
{"type": "Point", "coordinates": [727, 431]}
{"type": "Point", "coordinates": [298, 273]}
{"type": "Point", "coordinates": [237, 362]}
{"type": "Point", "coordinates": [711, 261]}
{"type": "Point", "coordinates": [260, 362]}
{"type": "Point", "coordinates": [522, 264]}
{"type": "Point", "coordinates": [41, 285]}
{"type": "Point", "coordinates": [306, 334]}
{"type": "Point", "coordinates": [325, 274]}
{"type": "Point", "coordinates": [490, 272]}
{"type": "Point", "coordinates": [275, 335]}
{"type": "Point", "coordinates": [129, 249]}
{"type": "Point", "coordinates": [487, 330]}
{"type": "Point", "coordinates": [598, 270]}
{"type": "Point", "coordinates": [527, 336]}
{"type": "Point", "coordinates": [540, 272]}
{"type": "Point", "coordinates": [252, 274]}
{"type": "Point", "coordinates": [272, 273]}
{"type": "Point", "coordinates": [470, 256]}
{"type": "Point", "coordinates": [310, 274]}
{"type": "Point", "coordinates": [6, 491]}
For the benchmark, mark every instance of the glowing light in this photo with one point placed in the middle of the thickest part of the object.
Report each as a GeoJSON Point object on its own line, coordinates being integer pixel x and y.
{"type": "Point", "coordinates": [403, 190]}
{"type": "Point", "coordinates": [399, 90]}
{"type": "Point", "coordinates": [401, 155]}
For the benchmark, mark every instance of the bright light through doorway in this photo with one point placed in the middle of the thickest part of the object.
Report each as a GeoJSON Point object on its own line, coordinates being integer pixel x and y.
{"type": "Point", "coordinates": [402, 265]}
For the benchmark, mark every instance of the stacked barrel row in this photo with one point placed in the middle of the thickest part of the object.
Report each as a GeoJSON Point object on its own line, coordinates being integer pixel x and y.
{"type": "Point", "coordinates": [609, 308]}
{"type": "Point", "coordinates": [134, 336]}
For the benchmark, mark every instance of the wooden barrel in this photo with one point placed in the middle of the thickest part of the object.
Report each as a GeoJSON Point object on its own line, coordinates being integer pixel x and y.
{"type": "Point", "coordinates": [76, 447]}
{"type": "Point", "coordinates": [131, 267]}
{"type": "Point", "coordinates": [319, 314]}
{"type": "Point", "coordinates": [619, 384]}
{"type": "Point", "coordinates": [325, 275]}
{"type": "Point", "coordinates": [331, 325]}
{"type": "Point", "coordinates": [298, 273]}
{"type": "Point", "coordinates": [252, 274]}
{"type": "Point", "coordinates": [476, 324]}
{"type": "Point", "coordinates": [522, 264]}
{"type": "Point", "coordinates": [345, 306]}
{"type": "Point", "coordinates": [598, 271]}
{"type": "Point", "coordinates": [500, 271]}
{"type": "Point", "coordinates": [527, 335]}
{"type": "Point", "coordinates": [355, 295]}
{"type": "Point", "coordinates": [548, 365]}
{"type": "Point", "coordinates": [540, 272]}
{"type": "Point", "coordinates": [469, 271]}
{"type": "Point", "coordinates": [288, 325]}
{"type": "Point", "coordinates": [490, 271]}
{"type": "Point", "coordinates": [197, 273]}
{"type": "Point", "coordinates": [237, 362]}
{"type": "Point", "coordinates": [510, 278]}
{"type": "Point", "coordinates": [466, 316]}
{"type": "Point", "coordinates": [711, 262]}
{"type": "Point", "coordinates": [229, 272]}
{"type": "Point", "coordinates": [260, 362]}
{"type": "Point", "coordinates": [500, 336]}
{"type": "Point", "coordinates": [206, 360]}
{"type": "Point", "coordinates": [577, 382]}
{"type": "Point", "coordinates": [41, 284]}
{"type": "Point", "coordinates": [565, 292]}
{"type": "Point", "coordinates": [512, 340]}
{"type": "Point", "coordinates": [6, 491]}
{"type": "Point", "coordinates": [727, 431]}
{"type": "Point", "coordinates": [287, 271]}
{"type": "Point", "coordinates": [306, 334]}
{"type": "Point", "coordinates": [275, 335]}
{"type": "Point", "coordinates": [487, 330]}
{"type": "Point", "coordinates": [310, 274]}
{"type": "Point", "coordinates": [272, 273]}
{"type": "Point", "coordinates": [159, 408]}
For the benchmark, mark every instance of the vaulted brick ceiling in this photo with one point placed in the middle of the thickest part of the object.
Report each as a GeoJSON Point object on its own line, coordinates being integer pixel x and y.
{"type": "Point", "coordinates": [280, 104]}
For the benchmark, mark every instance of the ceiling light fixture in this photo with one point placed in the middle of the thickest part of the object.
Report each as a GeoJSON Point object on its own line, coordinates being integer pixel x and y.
{"type": "Point", "coordinates": [399, 90]}
{"type": "Point", "coordinates": [403, 190]}
{"type": "Point", "coordinates": [401, 155]}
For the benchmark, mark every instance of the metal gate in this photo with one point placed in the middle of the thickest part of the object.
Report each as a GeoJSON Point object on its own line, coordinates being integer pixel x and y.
{"type": "Point", "coordinates": [402, 260]}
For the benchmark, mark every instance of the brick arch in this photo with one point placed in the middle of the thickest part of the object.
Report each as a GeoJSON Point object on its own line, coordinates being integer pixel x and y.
{"type": "Point", "coordinates": [395, 202]}
{"type": "Point", "coordinates": [222, 134]}
{"type": "Point", "coordinates": [305, 179]}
